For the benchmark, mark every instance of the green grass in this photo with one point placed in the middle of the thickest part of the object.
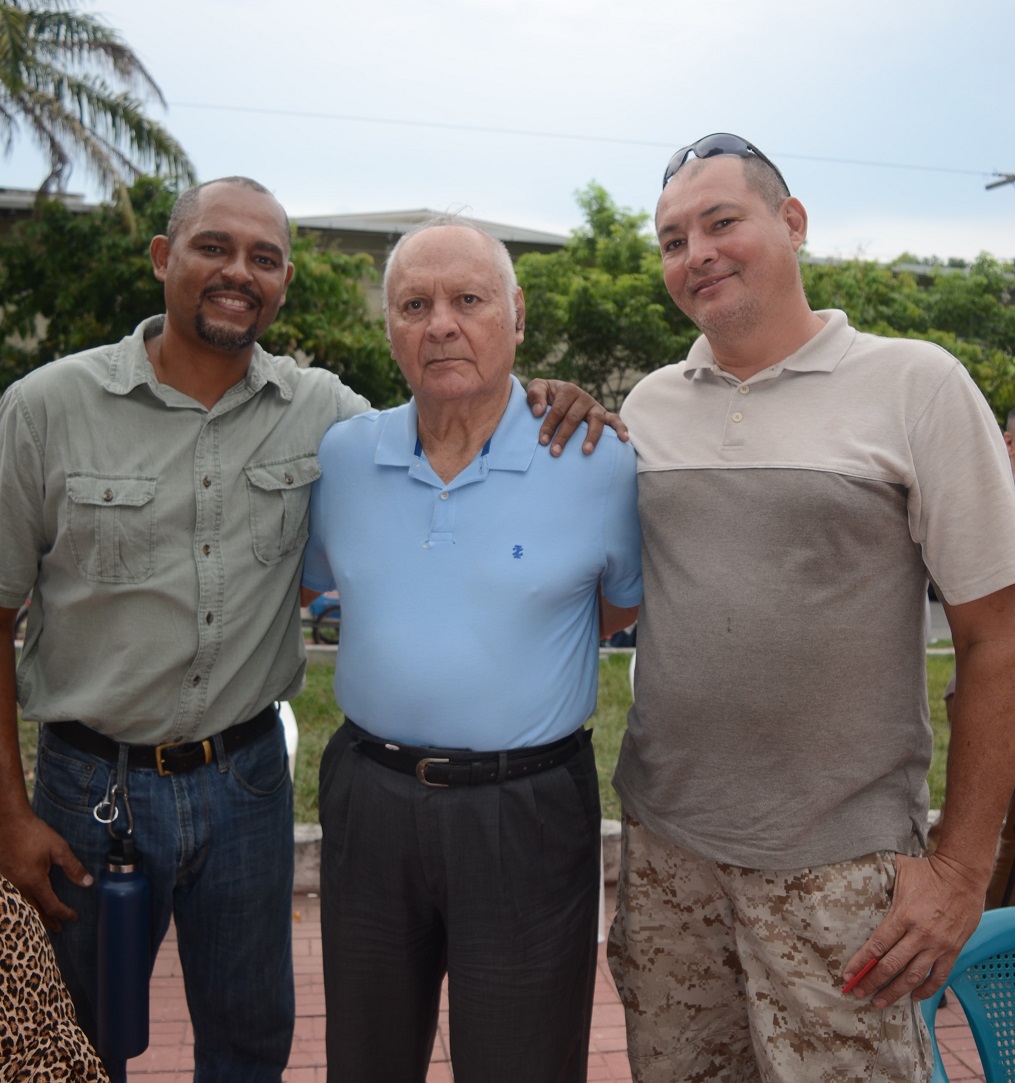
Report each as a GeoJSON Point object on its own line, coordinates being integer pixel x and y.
{"type": "Point", "coordinates": [318, 718]}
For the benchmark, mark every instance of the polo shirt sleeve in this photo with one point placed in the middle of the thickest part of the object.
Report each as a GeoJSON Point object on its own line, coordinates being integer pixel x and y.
{"type": "Point", "coordinates": [621, 582]}
{"type": "Point", "coordinates": [22, 491]}
{"type": "Point", "coordinates": [962, 497]}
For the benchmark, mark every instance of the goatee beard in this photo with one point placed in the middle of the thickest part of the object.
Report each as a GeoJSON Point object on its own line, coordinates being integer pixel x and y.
{"type": "Point", "coordinates": [223, 338]}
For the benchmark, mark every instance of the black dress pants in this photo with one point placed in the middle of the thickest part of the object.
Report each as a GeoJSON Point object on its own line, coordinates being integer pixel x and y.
{"type": "Point", "coordinates": [497, 885]}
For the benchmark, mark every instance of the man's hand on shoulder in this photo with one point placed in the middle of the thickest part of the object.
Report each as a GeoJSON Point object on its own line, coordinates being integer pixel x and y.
{"type": "Point", "coordinates": [569, 406]}
{"type": "Point", "coordinates": [936, 905]}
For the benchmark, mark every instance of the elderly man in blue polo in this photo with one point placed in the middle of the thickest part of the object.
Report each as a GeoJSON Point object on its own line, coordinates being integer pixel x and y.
{"type": "Point", "coordinates": [459, 799]}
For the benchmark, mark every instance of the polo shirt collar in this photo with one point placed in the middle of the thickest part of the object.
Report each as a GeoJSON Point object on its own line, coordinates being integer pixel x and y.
{"type": "Point", "coordinates": [822, 353]}
{"type": "Point", "coordinates": [511, 447]}
{"type": "Point", "coordinates": [131, 368]}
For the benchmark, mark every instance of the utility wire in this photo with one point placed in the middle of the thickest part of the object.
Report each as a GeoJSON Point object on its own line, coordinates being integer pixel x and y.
{"type": "Point", "coordinates": [305, 114]}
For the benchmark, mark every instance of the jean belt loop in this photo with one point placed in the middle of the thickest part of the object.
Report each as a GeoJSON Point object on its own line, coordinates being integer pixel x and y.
{"type": "Point", "coordinates": [220, 753]}
{"type": "Point", "coordinates": [122, 767]}
{"type": "Point", "coordinates": [502, 762]}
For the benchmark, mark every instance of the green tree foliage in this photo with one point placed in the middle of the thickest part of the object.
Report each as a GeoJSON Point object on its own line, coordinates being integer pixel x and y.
{"type": "Point", "coordinates": [70, 281]}
{"type": "Point", "coordinates": [325, 318]}
{"type": "Point", "coordinates": [54, 66]}
{"type": "Point", "coordinates": [597, 312]}
{"type": "Point", "coordinates": [969, 311]}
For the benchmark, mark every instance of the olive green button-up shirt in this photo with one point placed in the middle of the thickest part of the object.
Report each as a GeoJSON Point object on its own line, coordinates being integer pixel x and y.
{"type": "Point", "coordinates": [162, 541]}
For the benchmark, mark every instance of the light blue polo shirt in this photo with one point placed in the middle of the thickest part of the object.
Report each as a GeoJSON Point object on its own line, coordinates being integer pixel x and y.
{"type": "Point", "coordinates": [469, 611]}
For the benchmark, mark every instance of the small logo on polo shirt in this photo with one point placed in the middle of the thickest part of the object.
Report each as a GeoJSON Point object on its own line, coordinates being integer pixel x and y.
{"type": "Point", "coordinates": [517, 552]}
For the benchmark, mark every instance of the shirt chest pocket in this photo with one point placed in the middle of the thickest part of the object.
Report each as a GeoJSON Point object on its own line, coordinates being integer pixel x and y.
{"type": "Point", "coordinates": [111, 526]}
{"type": "Point", "coordinates": [280, 505]}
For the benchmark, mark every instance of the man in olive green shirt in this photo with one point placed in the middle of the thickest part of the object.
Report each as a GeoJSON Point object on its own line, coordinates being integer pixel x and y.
{"type": "Point", "coordinates": [155, 496]}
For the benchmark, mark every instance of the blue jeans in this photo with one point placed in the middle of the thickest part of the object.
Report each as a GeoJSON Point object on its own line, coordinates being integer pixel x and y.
{"type": "Point", "coordinates": [217, 846]}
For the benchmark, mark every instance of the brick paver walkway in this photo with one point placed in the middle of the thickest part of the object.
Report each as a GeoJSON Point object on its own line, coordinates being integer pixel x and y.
{"type": "Point", "coordinates": [169, 1058]}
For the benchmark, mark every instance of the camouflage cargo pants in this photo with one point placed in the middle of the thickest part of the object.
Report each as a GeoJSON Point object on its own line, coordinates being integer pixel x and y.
{"type": "Point", "coordinates": [733, 975]}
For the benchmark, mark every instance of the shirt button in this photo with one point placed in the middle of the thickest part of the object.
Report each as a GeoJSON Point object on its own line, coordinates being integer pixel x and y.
{"type": "Point", "coordinates": [197, 680]}
{"type": "Point", "coordinates": [738, 416]}
{"type": "Point", "coordinates": [444, 496]}
{"type": "Point", "coordinates": [744, 389]}
{"type": "Point", "coordinates": [206, 549]}
{"type": "Point", "coordinates": [206, 482]}
{"type": "Point", "coordinates": [289, 479]}
{"type": "Point", "coordinates": [107, 495]}
{"type": "Point", "coordinates": [209, 618]}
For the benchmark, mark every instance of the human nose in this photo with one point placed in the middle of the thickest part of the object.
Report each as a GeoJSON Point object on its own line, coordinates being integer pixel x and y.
{"type": "Point", "coordinates": [443, 324]}
{"type": "Point", "coordinates": [699, 250]}
{"type": "Point", "coordinates": [237, 268]}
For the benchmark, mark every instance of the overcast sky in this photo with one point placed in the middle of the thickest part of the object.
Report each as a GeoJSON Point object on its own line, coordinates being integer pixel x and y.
{"type": "Point", "coordinates": [887, 117]}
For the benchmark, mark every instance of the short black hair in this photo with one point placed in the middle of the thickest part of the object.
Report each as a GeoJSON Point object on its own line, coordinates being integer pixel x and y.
{"type": "Point", "coordinates": [186, 203]}
{"type": "Point", "coordinates": [764, 180]}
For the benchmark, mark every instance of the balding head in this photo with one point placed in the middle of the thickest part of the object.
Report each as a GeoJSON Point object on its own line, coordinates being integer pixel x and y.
{"type": "Point", "coordinates": [498, 252]}
{"type": "Point", "coordinates": [187, 203]}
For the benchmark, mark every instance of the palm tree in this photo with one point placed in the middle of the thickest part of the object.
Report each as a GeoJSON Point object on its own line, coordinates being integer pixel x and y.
{"type": "Point", "coordinates": [54, 63]}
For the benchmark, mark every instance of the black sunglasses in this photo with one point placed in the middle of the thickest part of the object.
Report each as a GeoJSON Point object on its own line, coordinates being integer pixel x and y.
{"type": "Point", "coordinates": [719, 143]}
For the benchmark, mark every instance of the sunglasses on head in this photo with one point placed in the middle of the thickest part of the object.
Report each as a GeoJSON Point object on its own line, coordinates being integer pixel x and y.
{"type": "Point", "coordinates": [719, 143]}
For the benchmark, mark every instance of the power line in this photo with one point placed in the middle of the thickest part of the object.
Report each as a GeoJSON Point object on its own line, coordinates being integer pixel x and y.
{"type": "Point", "coordinates": [309, 115]}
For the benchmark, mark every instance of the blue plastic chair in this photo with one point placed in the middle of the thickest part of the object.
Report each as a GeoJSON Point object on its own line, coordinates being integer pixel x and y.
{"type": "Point", "coordinates": [983, 982]}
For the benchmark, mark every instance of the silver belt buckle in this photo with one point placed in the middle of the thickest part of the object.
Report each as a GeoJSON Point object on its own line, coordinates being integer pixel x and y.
{"type": "Point", "coordinates": [421, 767]}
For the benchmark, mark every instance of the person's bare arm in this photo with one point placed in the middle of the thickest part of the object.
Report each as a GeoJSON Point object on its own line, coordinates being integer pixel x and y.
{"type": "Point", "coordinates": [614, 618]}
{"type": "Point", "coordinates": [569, 406]}
{"type": "Point", "coordinates": [938, 900]}
{"type": "Point", "coordinates": [28, 847]}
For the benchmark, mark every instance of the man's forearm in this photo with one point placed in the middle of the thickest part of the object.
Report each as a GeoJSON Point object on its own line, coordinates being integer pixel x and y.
{"type": "Point", "coordinates": [981, 758]}
{"type": "Point", "coordinates": [981, 753]}
{"type": "Point", "coordinates": [13, 795]}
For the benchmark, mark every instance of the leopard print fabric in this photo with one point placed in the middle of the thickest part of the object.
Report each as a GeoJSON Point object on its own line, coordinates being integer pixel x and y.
{"type": "Point", "coordinates": [40, 1039]}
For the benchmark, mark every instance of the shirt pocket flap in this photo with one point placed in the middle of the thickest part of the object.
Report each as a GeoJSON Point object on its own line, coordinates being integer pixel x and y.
{"type": "Point", "coordinates": [105, 491]}
{"type": "Point", "coordinates": [287, 474]}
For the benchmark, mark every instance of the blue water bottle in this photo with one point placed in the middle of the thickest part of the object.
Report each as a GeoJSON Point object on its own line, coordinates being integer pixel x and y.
{"type": "Point", "coordinates": [124, 956]}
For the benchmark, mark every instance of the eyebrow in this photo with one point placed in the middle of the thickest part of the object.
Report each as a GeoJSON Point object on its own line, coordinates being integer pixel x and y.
{"type": "Point", "coordinates": [716, 208]}
{"type": "Point", "coordinates": [221, 235]}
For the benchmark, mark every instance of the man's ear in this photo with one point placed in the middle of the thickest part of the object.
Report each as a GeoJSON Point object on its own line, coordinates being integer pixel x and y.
{"type": "Point", "coordinates": [158, 250]}
{"type": "Point", "coordinates": [290, 271]}
{"type": "Point", "coordinates": [519, 316]}
{"type": "Point", "coordinates": [795, 217]}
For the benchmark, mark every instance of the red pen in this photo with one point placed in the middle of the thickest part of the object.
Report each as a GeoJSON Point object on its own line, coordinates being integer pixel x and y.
{"type": "Point", "coordinates": [851, 984]}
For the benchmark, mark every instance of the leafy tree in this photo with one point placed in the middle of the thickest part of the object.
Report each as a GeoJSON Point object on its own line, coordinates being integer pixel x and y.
{"type": "Point", "coordinates": [71, 281]}
{"type": "Point", "coordinates": [877, 298]}
{"type": "Point", "coordinates": [597, 311]}
{"type": "Point", "coordinates": [968, 311]}
{"type": "Point", "coordinates": [54, 66]}
{"type": "Point", "coordinates": [325, 318]}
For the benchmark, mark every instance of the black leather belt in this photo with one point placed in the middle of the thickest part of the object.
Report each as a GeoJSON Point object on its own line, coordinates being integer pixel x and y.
{"type": "Point", "coordinates": [171, 758]}
{"type": "Point", "coordinates": [462, 767]}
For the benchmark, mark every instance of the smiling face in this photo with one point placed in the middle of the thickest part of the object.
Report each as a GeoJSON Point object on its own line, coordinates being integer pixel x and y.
{"type": "Point", "coordinates": [729, 258]}
{"type": "Point", "coordinates": [450, 320]}
{"type": "Point", "coordinates": [227, 268]}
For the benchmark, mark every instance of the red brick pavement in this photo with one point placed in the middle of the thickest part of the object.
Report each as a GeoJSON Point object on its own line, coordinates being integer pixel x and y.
{"type": "Point", "coordinates": [169, 1058]}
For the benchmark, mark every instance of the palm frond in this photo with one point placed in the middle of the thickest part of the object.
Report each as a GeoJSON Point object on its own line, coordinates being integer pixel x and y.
{"type": "Point", "coordinates": [56, 69]}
